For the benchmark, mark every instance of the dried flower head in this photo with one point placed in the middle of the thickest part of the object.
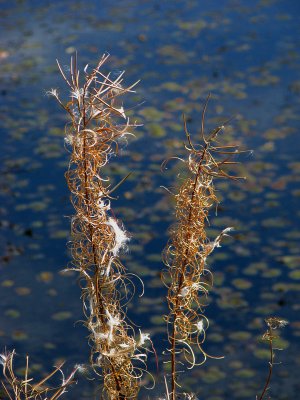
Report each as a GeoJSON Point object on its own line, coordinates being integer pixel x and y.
{"type": "Point", "coordinates": [275, 322]}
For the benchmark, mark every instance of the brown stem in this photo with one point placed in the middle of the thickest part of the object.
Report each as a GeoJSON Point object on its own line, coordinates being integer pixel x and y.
{"type": "Point", "coordinates": [271, 363]}
{"type": "Point", "coordinates": [173, 361]}
{"type": "Point", "coordinates": [190, 216]}
{"type": "Point", "coordinates": [87, 198]}
{"type": "Point", "coordinates": [181, 279]}
{"type": "Point", "coordinates": [100, 304]}
{"type": "Point", "coordinates": [118, 385]}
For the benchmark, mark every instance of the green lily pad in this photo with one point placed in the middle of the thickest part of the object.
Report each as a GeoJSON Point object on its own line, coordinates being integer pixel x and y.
{"type": "Point", "coordinates": [156, 130]}
{"type": "Point", "coordinates": [60, 234]}
{"type": "Point", "coordinates": [245, 373]}
{"type": "Point", "coordinates": [271, 273]}
{"type": "Point", "coordinates": [12, 313]}
{"type": "Point", "coordinates": [216, 337]}
{"type": "Point", "coordinates": [212, 375]}
{"type": "Point", "coordinates": [263, 354]}
{"type": "Point", "coordinates": [240, 283]}
{"type": "Point", "coordinates": [62, 315]}
{"type": "Point", "coordinates": [157, 320]}
{"type": "Point", "coordinates": [7, 283]}
{"type": "Point", "coordinates": [291, 261]}
{"type": "Point", "coordinates": [295, 274]}
{"type": "Point", "coordinates": [49, 346]}
{"type": "Point", "coordinates": [152, 114]}
{"type": "Point", "coordinates": [240, 335]}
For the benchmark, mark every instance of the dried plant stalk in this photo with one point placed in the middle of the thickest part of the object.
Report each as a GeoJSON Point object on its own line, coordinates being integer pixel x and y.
{"type": "Point", "coordinates": [17, 388]}
{"type": "Point", "coordinates": [98, 123]}
{"type": "Point", "coordinates": [273, 323]}
{"type": "Point", "coordinates": [188, 276]}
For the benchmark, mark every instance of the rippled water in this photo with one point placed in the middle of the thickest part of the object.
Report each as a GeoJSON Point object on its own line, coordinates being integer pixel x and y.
{"type": "Point", "coordinates": [247, 55]}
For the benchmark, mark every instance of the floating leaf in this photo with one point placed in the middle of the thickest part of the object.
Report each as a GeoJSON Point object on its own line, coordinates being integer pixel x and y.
{"type": "Point", "coordinates": [156, 320]}
{"type": "Point", "coordinates": [245, 373]}
{"type": "Point", "coordinates": [12, 313]}
{"type": "Point", "coordinates": [156, 130]}
{"type": "Point", "coordinates": [19, 335]}
{"type": "Point", "coordinates": [62, 315]}
{"type": "Point", "coordinates": [263, 354]}
{"type": "Point", "coordinates": [281, 343]}
{"type": "Point", "coordinates": [212, 375]}
{"type": "Point", "coordinates": [7, 283]}
{"type": "Point", "coordinates": [152, 114]}
{"type": "Point", "coordinates": [240, 335]}
{"type": "Point", "coordinates": [271, 273]}
{"type": "Point", "coordinates": [216, 337]}
{"type": "Point", "coordinates": [45, 276]}
{"type": "Point", "coordinates": [295, 274]}
{"type": "Point", "coordinates": [60, 234]}
{"type": "Point", "coordinates": [49, 346]}
{"type": "Point", "coordinates": [240, 283]}
{"type": "Point", "coordinates": [291, 261]}
{"type": "Point", "coordinates": [23, 291]}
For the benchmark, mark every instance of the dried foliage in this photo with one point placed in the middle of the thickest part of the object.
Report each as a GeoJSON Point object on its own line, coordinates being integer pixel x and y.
{"type": "Point", "coordinates": [98, 124]}
{"type": "Point", "coordinates": [16, 388]}
{"type": "Point", "coordinates": [188, 277]}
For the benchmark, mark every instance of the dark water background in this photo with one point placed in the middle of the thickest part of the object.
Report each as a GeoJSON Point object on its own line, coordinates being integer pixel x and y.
{"type": "Point", "coordinates": [247, 55]}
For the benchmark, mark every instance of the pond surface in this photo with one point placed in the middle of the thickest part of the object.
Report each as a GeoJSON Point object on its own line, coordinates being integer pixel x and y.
{"type": "Point", "coordinates": [247, 55]}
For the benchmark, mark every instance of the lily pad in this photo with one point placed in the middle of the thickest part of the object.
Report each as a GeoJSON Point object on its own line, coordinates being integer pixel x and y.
{"type": "Point", "coordinates": [45, 276]}
{"type": "Point", "coordinates": [19, 335]}
{"type": "Point", "coordinates": [62, 315]}
{"type": "Point", "coordinates": [12, 313]}
{"type": "Point", "coordinates": [295, 274]}
{"type": "Point", "coordinates": [23, 291]}
{"type": "Point", "coordinates": [240, 283]}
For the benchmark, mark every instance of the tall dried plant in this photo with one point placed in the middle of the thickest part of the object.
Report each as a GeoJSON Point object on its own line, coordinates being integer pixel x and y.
{"type": "Point", "coordinates": [98, 124]}
{"type": "Point", "coordinates": [188, 276]}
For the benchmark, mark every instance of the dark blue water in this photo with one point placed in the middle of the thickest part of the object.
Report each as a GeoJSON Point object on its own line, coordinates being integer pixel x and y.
{"type": "Point", "coordinates": [247, 55]}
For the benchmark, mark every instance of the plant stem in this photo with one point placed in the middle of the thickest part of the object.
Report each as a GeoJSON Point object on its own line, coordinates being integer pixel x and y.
{"type": "Point", "coordinates": [270, 366]}
{"type": "Point", "coordinates": [181, 279]}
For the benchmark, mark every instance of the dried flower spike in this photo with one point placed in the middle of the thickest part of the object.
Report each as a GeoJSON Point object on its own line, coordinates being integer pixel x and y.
{"type": "Point", "coordinates": [98, 124]}
{"type": "Point", "coordinates": [188, 277]}
{"type": "Point", "coordinates": [275, 322]}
